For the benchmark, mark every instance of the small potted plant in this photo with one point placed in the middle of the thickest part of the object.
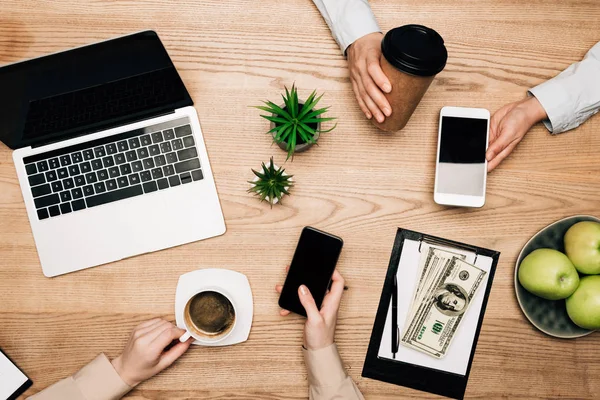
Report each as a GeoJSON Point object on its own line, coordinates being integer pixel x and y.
{"type": "Point", "coordinates": [295, 125]}
{"type": "Point", "coordinates": [271, 184]}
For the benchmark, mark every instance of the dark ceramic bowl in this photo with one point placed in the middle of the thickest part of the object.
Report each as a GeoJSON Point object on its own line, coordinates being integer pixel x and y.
{"type": "Point", "coordinates": [549, 316]}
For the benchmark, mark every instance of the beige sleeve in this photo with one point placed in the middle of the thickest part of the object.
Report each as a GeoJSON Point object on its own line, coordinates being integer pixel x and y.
{"type": "Point", "coordinates": [327, 379]}
{"type": "Point", "coordinates": [96, 381]}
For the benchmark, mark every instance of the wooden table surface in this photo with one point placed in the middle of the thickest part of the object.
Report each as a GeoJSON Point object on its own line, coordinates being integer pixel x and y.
{"type": "Point", "coordinates": [359, 184]}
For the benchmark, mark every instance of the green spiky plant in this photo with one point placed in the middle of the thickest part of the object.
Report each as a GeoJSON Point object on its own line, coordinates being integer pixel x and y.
{"type": "Point", "coordinates": [271, 183]}
{"type": "Point", "coordinates": [297, 122]}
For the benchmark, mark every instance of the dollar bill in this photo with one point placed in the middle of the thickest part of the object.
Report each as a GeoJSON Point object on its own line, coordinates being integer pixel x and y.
{"type": "Point", "coordinates": [444, 300]}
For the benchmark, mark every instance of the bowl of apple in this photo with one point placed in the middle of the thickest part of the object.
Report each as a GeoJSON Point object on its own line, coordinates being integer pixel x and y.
{"type": "Point", "coordinates": [557, 277]}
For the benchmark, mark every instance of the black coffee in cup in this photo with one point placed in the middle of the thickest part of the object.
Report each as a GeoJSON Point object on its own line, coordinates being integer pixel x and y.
{"type": "Point", "coordinates": [209, 314]}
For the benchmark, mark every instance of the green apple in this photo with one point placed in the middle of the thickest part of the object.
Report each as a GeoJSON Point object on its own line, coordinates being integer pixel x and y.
{"type": "Point", "coordinates": [549, 274]}
{"type": "Point", "coordinates": [583, 306]}
{"type": "Point", "coordinates": [582, 245]}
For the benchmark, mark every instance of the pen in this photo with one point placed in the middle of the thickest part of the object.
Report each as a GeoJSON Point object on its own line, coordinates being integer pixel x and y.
{"type": "Point", "coordinates": [395, 330]}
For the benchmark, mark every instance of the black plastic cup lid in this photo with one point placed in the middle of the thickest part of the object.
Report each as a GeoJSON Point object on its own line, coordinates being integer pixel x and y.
{"type": "Point", "coordinates": [415, 49]}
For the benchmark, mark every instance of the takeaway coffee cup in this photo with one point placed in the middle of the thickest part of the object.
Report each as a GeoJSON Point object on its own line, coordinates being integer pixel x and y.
{"type": "Point", "coordinates": [411, 56]}
{"type": "Point", "coordinates": [209, 316]}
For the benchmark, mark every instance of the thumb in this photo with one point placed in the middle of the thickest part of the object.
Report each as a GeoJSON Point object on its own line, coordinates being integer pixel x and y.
{"type": "Point", "coordinates": [173, 354]}
{"type": "Point", "coordinates": [308, 302]}
{"type": "Point", "coordinates": [503, 139]}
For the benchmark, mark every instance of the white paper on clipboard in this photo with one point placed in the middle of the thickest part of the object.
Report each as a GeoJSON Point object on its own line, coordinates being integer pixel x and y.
{"type": "Point", "coordinates": [456, 359]}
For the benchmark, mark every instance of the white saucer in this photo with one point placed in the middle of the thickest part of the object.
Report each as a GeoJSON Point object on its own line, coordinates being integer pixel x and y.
{"type": "Point", "coordinates": [236, 286]}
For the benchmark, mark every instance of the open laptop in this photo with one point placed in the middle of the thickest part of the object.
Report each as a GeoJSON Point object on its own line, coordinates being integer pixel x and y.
{"type": "Point", "coordinates": [109, 153]}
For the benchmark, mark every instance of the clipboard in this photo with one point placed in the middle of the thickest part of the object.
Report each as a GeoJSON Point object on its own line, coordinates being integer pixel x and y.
{"type": "Point", "coordinates": [446, 376]}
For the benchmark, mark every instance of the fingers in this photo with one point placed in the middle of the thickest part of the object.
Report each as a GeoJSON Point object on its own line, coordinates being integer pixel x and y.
{"type": "Point", "coordinates": [308, 302]}
{"type": "Point", "coordinates": [501, 155]}
{"type": "Point", "coordinates": [148, 323]}
{"type": "Point", "coordinates": [279, 288]}
{"type": "Point", "coordinates": [166, 337]}
{"type": "Point", "coordinates": [284, 313]}
{"type": "Point", "coordinates": [169, 357]}
{"type": "Point", "coordinates": [158, 331]}
{"type": "Point", "coordinates": [331, 302]}
{"type": "Point", "coordinates": [372, 88]}
{"type": "Point", "coordinates": [360, 101]}
{"type": "Point", "coordinates": [373, 109]}
{"type": "Point", "coordinates": [377, 74]}
{"type": "Point", "coordinates": [149, 328]}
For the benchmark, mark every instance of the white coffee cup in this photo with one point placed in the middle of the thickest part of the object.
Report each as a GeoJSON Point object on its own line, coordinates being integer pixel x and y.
{"type": "Point", "coordinates": [209, 316]}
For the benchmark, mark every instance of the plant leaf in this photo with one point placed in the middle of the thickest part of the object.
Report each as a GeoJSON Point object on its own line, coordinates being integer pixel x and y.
{"type": "Point", "coordinates": [317, 120]}
{"type": "Point", "coordinates": [304, 135]}
{"type": "Point", "coordinates": [278, 110]}
{"type": "Point", "coordinates": [309, 106]}
{"type": "Point", "coordinates": [294, 100]}
{"type": "Point", "coordinates": [276, 120]}
{"type": "Point", "coordinates": [315, 113]}
{"type": "Point", "coordinates": [328, 130]}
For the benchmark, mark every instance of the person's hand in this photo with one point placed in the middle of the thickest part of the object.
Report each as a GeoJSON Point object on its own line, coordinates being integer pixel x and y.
{"type": "Point", "coordinates": [319, 329]}
{"type": "Point", "coordinates": [509, 125]}
{"type": "Point", "coordinates": [144, 355]}
{"type": "Point", "coordinates": [368, 80]}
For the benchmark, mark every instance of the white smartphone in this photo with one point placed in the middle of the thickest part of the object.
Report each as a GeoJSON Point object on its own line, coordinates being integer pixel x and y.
{"type": "Point", "coordinates": [461, 167]}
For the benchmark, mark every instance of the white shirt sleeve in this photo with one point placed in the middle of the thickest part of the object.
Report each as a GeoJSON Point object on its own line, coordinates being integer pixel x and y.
{"type": "Point", "coordinates": [348, 20]}
{"type": "Point", "coordinates": [573, 96]}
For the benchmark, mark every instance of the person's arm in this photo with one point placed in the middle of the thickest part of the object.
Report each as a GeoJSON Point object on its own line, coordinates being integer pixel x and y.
{"type": "Point", "coordinates": [562, 103]}
{"type": "Point", "coordinates": [143, 357]}
{"type": "Point", "coordinates": [355, 29]}
{"type": "Point", "coordinates": [327, 379]}
{"type": "Point", "coordinates": [572, 96]}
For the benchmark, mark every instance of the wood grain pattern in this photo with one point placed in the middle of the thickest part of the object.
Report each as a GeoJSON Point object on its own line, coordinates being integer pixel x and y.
{"type": "Point", "coordinates": [359, 184]}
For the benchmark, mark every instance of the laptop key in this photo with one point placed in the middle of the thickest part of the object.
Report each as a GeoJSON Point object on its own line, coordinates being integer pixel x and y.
{"type": "Point", "coordinates": [188, 141]}
{"type": "Point", "coordinates": [42, 166]}
{"type": "Point", "coordinates": [122, 145]}
{"type": "Point", "coordinates": [168, 170]}
{"type": "Point", "coordinates": [154, 150]}
{"type": "Point", "coordinates": [142, 153]}
{"type": "Point", "coordinates": [65, 196]}
{"type": "Point", "coordinates": [77, 157]}
{"type": "Point", "coordinates": [171, 158]}
{"type": "Point", "coordinates": [165, 147]}
{"type": "Point", "coordinates": [65, 208]}
{"type": "Point", "coordinates": [97, 164]}
{"type": "Point", "coordinates": [111, 148]}
{"type": "Point", "coordinates": [88, 190]}
{"type": "Point", "coordinates": [134, 143]}
{"type": "Point", "coordinates": [163, 183]}
{"type": "Point", "coordinates": [102, 174]}
{"type": "Point", "coordinates": [57, 186]}
{"type": "Point", "coordinates": [54, 211]}
{"type": "Point", "coordinates": [31, 169]}
{"type": "Point", "coordinates": [115, 195]}
{"type": "Point", "coordinates": [187, 154]}
{"type": "Point", "coordinates": [125, 169]}
{"type": "Point", "coordinates": [41, 190]}
{"type": "Point", "coordinates": [62, 173]}
{"type": "Point", "coordinates": [187, 165]}
{"type": "Point", "coordinates": [53, 163]}
{"type": "Point", "coordinates": [85, 167]}
{"type": "Point", "coordinates": [174, 180]}
{"type": "Point", "coordinates": [65, 160]}
{"type": "Point", "coordinates": [99, 151]}
{"type": "Point", "coordinates": [150, 187]}
{"type": "Point", "coordinates": [137, 166]}
{"type": "Point", "coordinates": [46, 201]}
{"type": "Point", "coordinates": [131, 156]}
{"type": "Point", "coordinates": [99, 187]}
{"type": "Point", "coordinates": [79, 180]}
{"type": "Point", "coordinates": [185, 177]}
{"type": "Point", "coordinates": [88, 154]}
{"type": "Point", "coordinates": [78, 205]}
{"type": "Point", "coordinates": [146, 176]}
{"type": "Point", "coordinates": [181, 131]}
{"type": "Point", "coordinates": [157, 173]}
{"type": "Point", "coordinates": [51, 176]}
{"type": "Point", "coordinates": [111, 184]}
{"type": "Point", "coordinates": [43, 213]}
{"type": "Point", "coordinates": [119, 158]}
{"type": "Point", "coordinates": [169, 134]}
{"type": "Point", "coordinates": [122, 181]}
{"type": "Point", "coordinates": [177, 144]}
{"type": "Point", "coordinates": [114, 172]}
{"type": "Point", "coordinates": [77, 193]}
{"type": "Point", "coordinates": [157, 137]}
{"type": "Point", "coordinates": [148, 163]}
{"type": "Point", "coordinates": [109, 162]}
{"type": "Point", "coordinates": [145, 140]}
{"type": "Point", "coordinates": [68, 183]}
{"type": "Point", "coordinates": [91, 177]}
{"type": "Point", "coordinates": [197, 175]}
{"type": "Point", "coordinates": [73, 170]}
{"type": "Point", "coordinates": [134, 179]}
{"type": "Point", "coordinates": [36, 179]}
{"type": "Point", "coordinates": [160, 161]}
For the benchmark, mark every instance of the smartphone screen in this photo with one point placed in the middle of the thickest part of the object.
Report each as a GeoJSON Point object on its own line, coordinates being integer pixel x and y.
{"type": "Point", "coordinates": [461, 165]}
{"type": "Point", "coordinates": [13, 382]}
{"type": "Point", "coordinates": [313, 265]}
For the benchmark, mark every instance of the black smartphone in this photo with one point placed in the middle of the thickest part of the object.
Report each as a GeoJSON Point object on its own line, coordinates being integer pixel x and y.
{"type": "Point", "coordinates": [13, 382]}
{"type": "Point", "coordinates": [313, 265]}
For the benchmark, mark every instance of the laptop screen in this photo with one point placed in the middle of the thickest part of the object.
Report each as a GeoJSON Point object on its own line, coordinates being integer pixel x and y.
{"type": "Point", "coordinates": [88, 89]}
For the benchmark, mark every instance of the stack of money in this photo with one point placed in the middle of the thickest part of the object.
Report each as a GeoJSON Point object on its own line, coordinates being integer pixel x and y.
{"type": "Point", "coordinates": [447, 284]}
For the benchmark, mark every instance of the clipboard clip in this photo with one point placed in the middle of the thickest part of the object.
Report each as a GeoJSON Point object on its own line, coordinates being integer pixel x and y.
{"type": "Point", "coordinates": [443, 242]}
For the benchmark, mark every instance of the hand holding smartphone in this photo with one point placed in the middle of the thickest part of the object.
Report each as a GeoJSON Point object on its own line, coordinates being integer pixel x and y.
{"type": "Point", "coordinates": [313, 265]}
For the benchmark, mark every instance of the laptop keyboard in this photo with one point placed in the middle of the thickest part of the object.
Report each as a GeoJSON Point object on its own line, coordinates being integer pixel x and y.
{"type": "Point", "coordinates": [114, 168]}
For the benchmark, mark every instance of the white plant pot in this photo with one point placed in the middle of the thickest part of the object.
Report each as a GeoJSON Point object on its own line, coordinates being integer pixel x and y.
{"type": "Point", "coordinates": [275, 200]}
